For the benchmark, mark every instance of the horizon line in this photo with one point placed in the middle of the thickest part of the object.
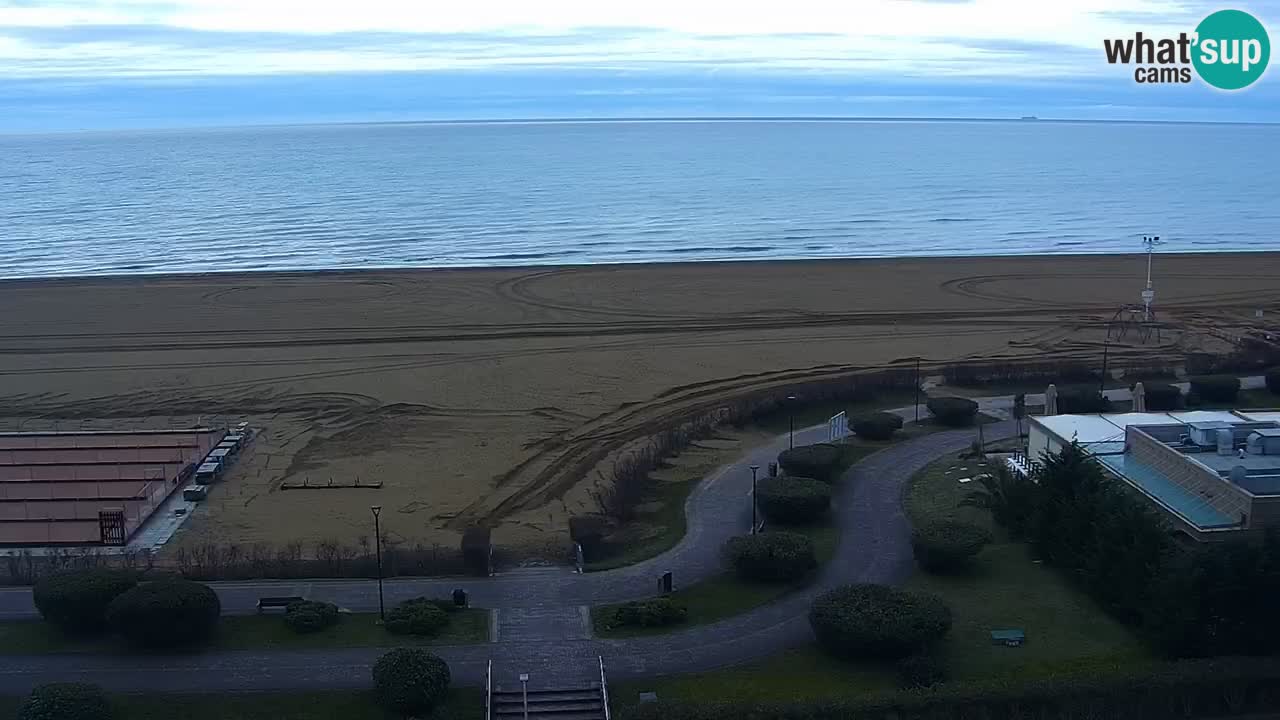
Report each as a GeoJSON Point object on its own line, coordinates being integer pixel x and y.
{"type": "Point", "coordinates": [650, 119]}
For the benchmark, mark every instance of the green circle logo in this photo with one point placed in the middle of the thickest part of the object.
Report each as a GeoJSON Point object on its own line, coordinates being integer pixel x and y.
{"type": "Point", "coordinates": [1232, 49]}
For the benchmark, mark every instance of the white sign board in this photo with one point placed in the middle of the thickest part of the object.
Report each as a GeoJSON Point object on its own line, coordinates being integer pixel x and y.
{"type": "Point", "coordinates": [837, 428]}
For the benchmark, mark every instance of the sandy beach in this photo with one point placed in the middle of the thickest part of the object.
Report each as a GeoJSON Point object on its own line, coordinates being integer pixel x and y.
{"type": "Point", "coordinates": [489, 395]}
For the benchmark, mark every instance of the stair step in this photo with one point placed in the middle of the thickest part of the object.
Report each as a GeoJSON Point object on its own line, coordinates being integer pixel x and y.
{"type": "Point", "coordinates": [549, 707]}
{"type": "Point", "coordinates": [547, 695]}
{"type": "Point", "coordinates": [571, 715]}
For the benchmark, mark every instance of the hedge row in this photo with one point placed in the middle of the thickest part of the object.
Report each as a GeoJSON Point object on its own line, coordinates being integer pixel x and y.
{"type": "Point", "coordinates": [792, 500]}
{"type": "Point", "coordinates": [820, 461]}
{"type": "Point", "coordinates": [1176, 691]}
{"type": "Point", "coordinates": [1273, 380]}
{"type": "Point", "coordinates": [166, 614]}
{"type": "Point", "coordinates": [657, 612]}
{"type": "Point", "coordinates": [771, 556]}
{"type": "Point", "coordinates": [1216, 388]}
{"type": "Point", "coordinates": [308, 616]}
{"type": "Point", "coordinates": [77, 601]}
{"type": "Point", "coordinates": [419, 616]}
{"type": "Point", "coordinates": [876, 426]}
{"type": "Point", "coordinates": [953, 411]}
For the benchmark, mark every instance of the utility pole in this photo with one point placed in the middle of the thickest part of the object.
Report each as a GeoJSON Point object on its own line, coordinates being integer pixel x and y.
{"type": "Point", "coordinates": [754, 468]}
{"type": "Point", "coordinates": [1102, 383]}
{"type": "Point", "coordinates": [917, 388]}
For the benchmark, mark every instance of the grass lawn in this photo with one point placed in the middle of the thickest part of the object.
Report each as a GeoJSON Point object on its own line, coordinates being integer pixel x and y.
{"type": "Point", "coordinates": [461, 704]}
{"type": "Point", "coordinates": [1007, 588]}
{"type": "Point", "coordinates": [722, 596]}
{"type": "Point", "coordinates": [256, 632]}
{"type": "Point", "coordinates": [817, 413]}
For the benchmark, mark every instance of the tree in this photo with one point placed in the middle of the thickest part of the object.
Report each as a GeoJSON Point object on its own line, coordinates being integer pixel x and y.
{"type": "Point", "coordinates": [1010, 498]}
{"type": "Point", "coordinates": [166, 614]}
{"type": "Point", "coordinates": [66, 701]}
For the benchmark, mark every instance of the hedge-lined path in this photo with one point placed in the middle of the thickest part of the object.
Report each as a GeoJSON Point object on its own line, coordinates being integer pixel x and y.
{"type": "Point", "coordinates": [874, 546]}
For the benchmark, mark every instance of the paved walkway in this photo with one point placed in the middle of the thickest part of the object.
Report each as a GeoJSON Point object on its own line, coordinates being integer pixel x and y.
{"type": "Point", "coordinates": [539, 611]}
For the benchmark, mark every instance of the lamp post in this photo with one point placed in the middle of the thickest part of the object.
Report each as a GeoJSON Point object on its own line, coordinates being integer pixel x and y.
{"type": "Point", "coordinates": [754, 468]}
{"type": "Point", "coordinates": [917, 388]}
{"type": "Point", "coordinates": [377, 544]}
{"type": "Point", "coordinates": [791, 421]}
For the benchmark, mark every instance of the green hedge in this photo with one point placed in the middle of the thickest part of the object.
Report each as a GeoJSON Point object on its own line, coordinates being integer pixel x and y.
{"type": "Point", "coordinates": [947, 545]}
{"type": "Point", "coordinates": [922, 670]}
{"type": "Point", "coordinates": [876, 426]}
{"type": "Point", "coordinates": [657, 612]}
{"type": "Point", "coordinates": [77, 601]}
{"type": "Point", "coordinates": [410, 681]}
{"type": "Point", "coordinates": [877, 622]}
{"type": "Point", "coordinates": [1162, 396]}
{"type": "Point", "coordinates": [1177, 691]}
{"type": "Point", "coordinates": [1273, 380]}
{"type": "Point", "coordinates": [1216, 388]}
{"type": "Point", "coordinates": [820, 461]}
{"type": "Point", "coordinates": [166, 614]}
{"type": "Point", "coordinates": [1081, 400]}
{"type": "Point", "coordinates": [771, 556]}
{"type": "Point", "coordinates": [309, 616]}
{"type": "Point", "coordinates": [66, 701]}
{"type": "Point", "coordinates": [792, 500]}
{"type": "Point", "coordinates": [418, 616]}
{"type": "Point", "coordinates": [953, 411]}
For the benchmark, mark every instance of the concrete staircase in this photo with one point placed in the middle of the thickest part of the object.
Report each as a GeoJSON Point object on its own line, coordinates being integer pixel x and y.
{"type": "Point", "coordinates": [571, 703]}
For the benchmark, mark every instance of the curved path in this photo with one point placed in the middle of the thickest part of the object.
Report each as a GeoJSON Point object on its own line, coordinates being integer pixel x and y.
{"type": "Point", "coordinates": [873, 547]}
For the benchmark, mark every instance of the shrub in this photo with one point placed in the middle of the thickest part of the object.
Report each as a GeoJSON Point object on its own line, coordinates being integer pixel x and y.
{"type": "Point", "coordinates": [410, 681]}
{"type": "Point", "coordinates": [946, 546]}
{"type": "Point", "coordinates": [77, 601]}
{"type": "Point", "coordinates": [876, 426]}
{"type": "Point", "coordinates": [66, 701]}
{"type": "Point", "coordinates": [793, 501]}
{"type": "Point", "coordinates": [953, 411]}
{"type": "Point", "coordinates": [165, 614]}
{"type": "Point", "coordinates": [1216, 388]}
{"type": "Point", "coordinates": [649, 613]}
{"type": "Point", "coordinates": [1273, 380]}
{"type": "Point", "coordinates": [1162, 396]}
{"type": "Point", "coordinates": [309, 616]}
{"type": "Point", "coordinates": [877, 622]}
{"type": "Point", "coordinates": [921, 670]}
{"type": "Point", "coordinates": [419, 616]}
{"type": "Point", "coordinates": [476, 550]}
{"type": "Point", "coordinates": [771, 557]}
{"type": "Point", "coordinates": [588, 531]}
{"type": "Point", "coordinates": [1077, 400]}
{"type": "Point", "coordinates": [819, 462]}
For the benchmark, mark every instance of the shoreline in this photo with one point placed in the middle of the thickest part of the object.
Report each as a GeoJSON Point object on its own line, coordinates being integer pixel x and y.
{"type": "Point", "coordinates": [416, 270]}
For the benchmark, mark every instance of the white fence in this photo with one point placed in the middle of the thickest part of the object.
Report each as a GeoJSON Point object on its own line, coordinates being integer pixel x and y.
{"type": "Point", "coordinates": [837, 428]}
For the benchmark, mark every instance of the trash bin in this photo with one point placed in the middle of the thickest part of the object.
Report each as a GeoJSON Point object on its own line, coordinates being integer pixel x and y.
{"type": "Point", "coordinates": [665, 583]}
{"type": "Point", "coordinates": [460, 597]}
{"type": "Point", "coordinates": [773, 469]}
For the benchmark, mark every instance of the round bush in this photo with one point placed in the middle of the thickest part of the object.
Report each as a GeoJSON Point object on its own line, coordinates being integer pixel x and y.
{"type": "Point", "coordinates": [947, 546]}
{"type": "Point", "coordinates": [77, 601]}
{"type": "Point", "coordinates": [410, 681]}
{"type": "Point", "coordinates": [811, 461]}
{"type": "Point", "coordinates": [657, 612]}
{"type": "Point", "coordinates": [66, 701]}
{"type": "Point", "coordinates": [1216, 388]}
{"type": "Point", "coordinates": [419, 616]}
{"type": "Point", "coordinates": [309, 616]}
{"type": "Point", "coordinates": [792, 500]}
{"type": "Point", "coordinates": [1162, 396]}
{"type": "Point", "coordinates": [877, 622]}
{"type": "Point", "coordinates": [772, 556]}
{"type": "Point", "coordinates": [1273, 380]}
{"type": "Point", "coordinates": [165, 614]}
{"type": "Point", "coordinates": [876, 426]}
{"type": "Point", "coordinates": [953, 411]}
{"type": "Point", "coordinates": [922, 670]}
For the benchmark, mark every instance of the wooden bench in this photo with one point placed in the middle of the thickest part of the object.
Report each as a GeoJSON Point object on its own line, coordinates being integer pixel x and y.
{"type": "Point", "coordinates": [283, 601]}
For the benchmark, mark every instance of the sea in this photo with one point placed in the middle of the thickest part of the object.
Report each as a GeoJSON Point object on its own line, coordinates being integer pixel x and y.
{"type": "Point", "coordinates": [543, 193]}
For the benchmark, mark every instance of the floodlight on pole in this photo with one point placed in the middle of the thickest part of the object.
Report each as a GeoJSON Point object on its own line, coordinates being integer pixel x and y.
{"type": "Point", "coordinates": [754, 468]}
{"type": "Point", "coordinates": [791, 416]}
{"type": "Point", "coordinates": [377, 543]}
{"type": "Point", "coordinates": [1149, 293]}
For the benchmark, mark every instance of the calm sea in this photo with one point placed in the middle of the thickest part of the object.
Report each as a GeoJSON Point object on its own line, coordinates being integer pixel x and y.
{"type": "Point", "coordinates": [426, 195]}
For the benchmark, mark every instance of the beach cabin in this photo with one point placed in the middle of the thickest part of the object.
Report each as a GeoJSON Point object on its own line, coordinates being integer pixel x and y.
{"type": "Point", "coordinates": [208, 472]}
{"type": "Point", "coordinates": [220, 455]}
{"type": "Point", "coordinates": [232, 448]}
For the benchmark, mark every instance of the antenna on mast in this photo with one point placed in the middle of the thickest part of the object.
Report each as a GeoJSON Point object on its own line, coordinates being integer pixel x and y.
{"type": "Point", "coordinates": [1149, 294]}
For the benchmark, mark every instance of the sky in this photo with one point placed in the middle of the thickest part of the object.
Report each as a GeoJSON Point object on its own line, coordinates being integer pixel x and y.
{"type": "Point", "coordinates": [111, 64]}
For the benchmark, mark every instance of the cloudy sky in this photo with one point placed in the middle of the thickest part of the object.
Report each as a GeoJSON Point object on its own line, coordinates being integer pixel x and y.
{"type": "Point", "coordinates": [96, 64]}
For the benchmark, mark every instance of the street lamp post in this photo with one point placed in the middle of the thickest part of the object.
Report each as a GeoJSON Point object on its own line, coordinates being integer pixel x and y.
{"type": "Point", "coordinates": [377, 544]}
{"type": "Point", "coordinates": [917, 389]}
{"type": "Point", "coordinates": [754, 468]}
{"type": "Point", "coordinates": [791, 421]}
